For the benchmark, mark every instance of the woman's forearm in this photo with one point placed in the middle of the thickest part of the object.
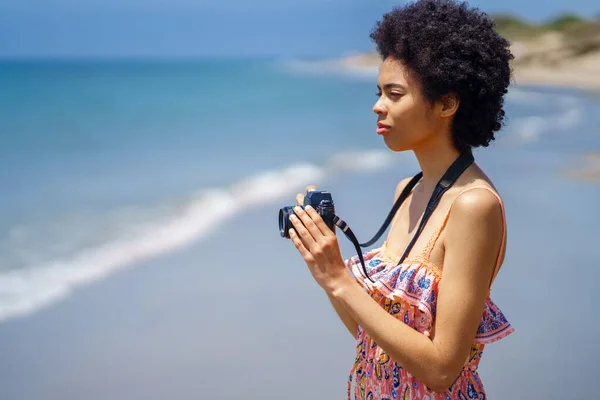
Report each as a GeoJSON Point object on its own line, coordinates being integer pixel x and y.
{"type": "Point", "coordinates": [411, 349]}
{"type": "Point", "coordinates": [346, 318]}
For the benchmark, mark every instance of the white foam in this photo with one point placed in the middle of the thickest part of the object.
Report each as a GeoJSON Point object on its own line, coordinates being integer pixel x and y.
{"type": "Point", "coordinates": [533, 97]}
{"type": "Point", "coordinates": [362, 160]}
{"type": "Point", "coordinates": [529, 129]}
{"type": "Point", "coordinates": [273, 185]}
{"type": "Point", "coordinates": [145, 233]}
{"type": "Point", "coordinates": [527, 97]}
{"type": "Point", "coordinates": [331, 67]}
{"type": "Point", "coordinates": [532, 128]}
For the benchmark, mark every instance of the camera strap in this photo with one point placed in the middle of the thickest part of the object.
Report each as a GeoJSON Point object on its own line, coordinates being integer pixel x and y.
{"type": "Point", "coordinates": [447, 180]}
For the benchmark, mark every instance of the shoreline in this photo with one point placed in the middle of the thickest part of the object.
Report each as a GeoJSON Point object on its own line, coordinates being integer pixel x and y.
{"type": "Point", "coordinates": [589, 171]}
{"type": "Point", "coordinates": [559, 78]}
{"type": "Point", "coordinates": [583, 76]}
{"type": "Point", "coordinates": [545, 60]}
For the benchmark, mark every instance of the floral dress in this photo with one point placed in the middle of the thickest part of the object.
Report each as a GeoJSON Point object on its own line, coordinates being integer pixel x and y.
{"type": "Point", "coordinates": [409, 292]}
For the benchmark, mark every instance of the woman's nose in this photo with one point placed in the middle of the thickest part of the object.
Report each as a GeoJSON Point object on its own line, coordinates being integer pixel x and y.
{"type": "Point", "coordinates": [378, 108]}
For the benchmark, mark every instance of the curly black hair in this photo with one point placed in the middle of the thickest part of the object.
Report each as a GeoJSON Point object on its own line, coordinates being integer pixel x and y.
{"type": "Point", "coordinates": [450, 47]}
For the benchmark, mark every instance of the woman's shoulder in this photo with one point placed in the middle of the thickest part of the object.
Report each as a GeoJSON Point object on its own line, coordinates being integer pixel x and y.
{"type": "Point", "coordinates": [475, 189]}
{"type": "Point", "coordinates": [476, 197]}
{"type": "Point", "coordinates": [477, 208]}
{"type": "Point", "coordinates": [479, 204]}
{"type": "Point", "coordinates": [475, 192]}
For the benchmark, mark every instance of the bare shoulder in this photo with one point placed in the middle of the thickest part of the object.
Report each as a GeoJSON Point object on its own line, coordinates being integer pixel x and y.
{"type": "Point", "coordinates": [477, 214]}
{"type": "Point", "coordinates": [477, 202]}
{"type": "Point", "coordinates": [476, 228]}
{"type": "Point", "coordinates": [477, 198]}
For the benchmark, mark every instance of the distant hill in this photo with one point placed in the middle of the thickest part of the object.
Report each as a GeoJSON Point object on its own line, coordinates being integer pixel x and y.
{"type": "Point", "coordinates": [558, 40]}
{"type": "Point", "coordinates": [563, 51]}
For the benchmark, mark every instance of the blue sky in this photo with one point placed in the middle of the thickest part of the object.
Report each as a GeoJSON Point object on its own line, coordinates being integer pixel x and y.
{"type": "Point", "coordinates": [187, 28]}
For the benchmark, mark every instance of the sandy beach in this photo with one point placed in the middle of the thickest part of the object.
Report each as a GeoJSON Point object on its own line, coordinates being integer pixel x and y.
{"type": "Point", "coordinates": [545, 60]}
{"type": "Point", "coordinates": [584, 74]}
{"type": "Point", "coordinates": [551, 60]}
{"type": "Point", "coordinates": [569, 77]}
{"type": "Point", "coordinates": [589, 169]}
{"type": "Point", "coordinates": [541, 62]}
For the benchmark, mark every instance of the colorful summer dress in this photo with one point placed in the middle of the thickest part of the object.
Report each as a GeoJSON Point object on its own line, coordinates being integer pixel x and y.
{"type": "Point", "coordinates": [409, 292]}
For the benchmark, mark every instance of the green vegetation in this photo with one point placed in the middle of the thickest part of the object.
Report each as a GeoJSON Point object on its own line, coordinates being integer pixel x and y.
{"type": "Point", "coordinates": [574, 37]}
{"type": "Point", "coordinates": [566, 22]}
{"type": "Point", "coordinates": [515, 28]}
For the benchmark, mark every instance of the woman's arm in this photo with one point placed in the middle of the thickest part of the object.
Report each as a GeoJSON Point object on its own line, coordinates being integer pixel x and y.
{"type": "Point", "coordinates": [348, 321]}
{"type": "Point", "coordinates": [346, 318]}
{"type": "Point", "coordinates": [472, 241]}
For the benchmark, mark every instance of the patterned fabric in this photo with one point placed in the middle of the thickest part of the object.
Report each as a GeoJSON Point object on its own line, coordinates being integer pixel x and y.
{"type": "Point", "coordinates": [409, 292]}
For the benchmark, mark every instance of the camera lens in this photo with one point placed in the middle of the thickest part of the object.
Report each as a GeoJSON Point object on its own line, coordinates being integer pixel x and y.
{"type": "Point", "coordinates": [284, 221]}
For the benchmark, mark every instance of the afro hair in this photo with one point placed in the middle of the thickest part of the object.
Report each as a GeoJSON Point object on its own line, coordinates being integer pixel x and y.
{"type": "Point", "coordinates": [449, 47]}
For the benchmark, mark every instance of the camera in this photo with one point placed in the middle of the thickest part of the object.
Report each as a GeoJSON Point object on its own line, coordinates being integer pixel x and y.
{"type": "Point", "coordinates": [321, 201]}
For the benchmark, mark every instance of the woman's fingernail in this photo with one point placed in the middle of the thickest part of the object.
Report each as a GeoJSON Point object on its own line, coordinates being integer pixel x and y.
{"type": "Point", "coordinates": [308, 208]}
{"type": "Point", "coordinates": [297, 209]}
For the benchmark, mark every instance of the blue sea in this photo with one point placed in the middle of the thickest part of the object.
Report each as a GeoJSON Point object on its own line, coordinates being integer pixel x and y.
{"type": "Point", "coordinates": [108, 162]}
{"type": "Point", "coordinates": [112, 164]}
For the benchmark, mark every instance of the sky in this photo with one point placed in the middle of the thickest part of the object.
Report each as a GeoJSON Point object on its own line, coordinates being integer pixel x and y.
{"type": "Point", "coordinates": [215, 28]}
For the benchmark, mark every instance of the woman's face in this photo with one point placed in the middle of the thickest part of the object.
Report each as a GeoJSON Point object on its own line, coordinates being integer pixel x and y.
{"type": "Point", "coordinates": [406, 120]}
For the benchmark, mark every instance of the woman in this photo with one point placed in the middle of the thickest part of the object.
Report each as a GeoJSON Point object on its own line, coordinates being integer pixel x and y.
{"type": "Point", "coordinates": [421, 322]}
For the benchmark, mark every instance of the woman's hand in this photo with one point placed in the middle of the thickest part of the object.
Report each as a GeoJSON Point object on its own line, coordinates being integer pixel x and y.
{"type": "Point", "coordinates": [318, 245]}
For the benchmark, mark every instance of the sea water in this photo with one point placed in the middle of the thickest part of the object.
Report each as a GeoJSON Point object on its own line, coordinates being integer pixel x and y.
{"type": "Point", "coordinates": [104, 163]}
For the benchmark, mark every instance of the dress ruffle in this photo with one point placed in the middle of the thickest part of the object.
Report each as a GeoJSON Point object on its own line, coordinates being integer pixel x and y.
{"type": "Point", "coordinates": [493, 326]}
{"type": "Point", "coordinates": [416, 282]}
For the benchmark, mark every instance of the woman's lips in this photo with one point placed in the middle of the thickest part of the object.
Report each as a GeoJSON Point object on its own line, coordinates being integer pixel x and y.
{"type": "Point", "coordinates": [382, 129]}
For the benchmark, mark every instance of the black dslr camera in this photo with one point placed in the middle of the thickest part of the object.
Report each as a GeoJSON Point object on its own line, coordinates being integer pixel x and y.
{"type": "Point", "coordinates": [321, 201]}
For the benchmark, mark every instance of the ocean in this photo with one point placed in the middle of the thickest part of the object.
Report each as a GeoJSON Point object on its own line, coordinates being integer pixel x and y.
{"type": "Point", "coordinates": [104, 163]}
{"type": "Point", "coordinates": [110, 164]}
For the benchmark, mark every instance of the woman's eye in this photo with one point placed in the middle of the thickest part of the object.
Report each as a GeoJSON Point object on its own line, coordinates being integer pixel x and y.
{"type": "Point", "coordinates": [392, 95]}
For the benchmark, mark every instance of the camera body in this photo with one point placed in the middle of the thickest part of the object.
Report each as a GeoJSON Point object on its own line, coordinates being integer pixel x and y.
{"type": "Point", "coordinates": [321, 201]}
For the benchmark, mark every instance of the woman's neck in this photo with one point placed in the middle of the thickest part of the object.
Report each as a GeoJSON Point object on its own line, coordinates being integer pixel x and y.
{"type": "Point", "coordinates": [434, 161]}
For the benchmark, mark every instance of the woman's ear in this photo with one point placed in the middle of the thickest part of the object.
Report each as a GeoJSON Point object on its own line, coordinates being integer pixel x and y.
{"type": "Point", "coordinates": [449, 103]}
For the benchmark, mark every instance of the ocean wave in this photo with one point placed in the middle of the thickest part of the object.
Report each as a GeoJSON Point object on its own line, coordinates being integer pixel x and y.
{"type": "Point", "coordinates": [533, 97]}
{"type": "Point", "coordinates": [531, 128]}
{"type": "Point", "coordinates": [131, 234]}
{"type": "Point", "coordinates": [330, 67]}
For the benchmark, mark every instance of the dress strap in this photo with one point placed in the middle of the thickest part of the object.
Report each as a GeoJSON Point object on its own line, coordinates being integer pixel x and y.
{"type": "Point", "coordinates": [436, 234]}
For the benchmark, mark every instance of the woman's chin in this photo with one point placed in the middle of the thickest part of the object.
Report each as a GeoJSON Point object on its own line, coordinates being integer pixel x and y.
{"type": "Point", "coordinates": [395, 145]}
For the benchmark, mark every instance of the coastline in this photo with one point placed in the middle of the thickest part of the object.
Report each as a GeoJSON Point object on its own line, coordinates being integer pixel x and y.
{"type": "Point", "coordinates": [584, 74]}
{"type": "Point", "coordinates": [555, 59]}
{"type": "Point", "coordinates": [564, 77]}
{"type": "Point", "coordinates": [581, 73]}
{"type": "Point", "coordinates": [590, 170]}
